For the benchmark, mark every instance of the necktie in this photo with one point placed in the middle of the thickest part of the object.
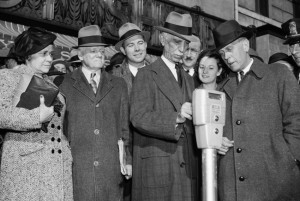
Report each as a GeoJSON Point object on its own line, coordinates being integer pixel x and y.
{"type": "Point", "coordinates": [179, 76]}
{"type": "Point", "coordinates": [242, 75]}
{"type": "Point", "coordinates": [93, 83]}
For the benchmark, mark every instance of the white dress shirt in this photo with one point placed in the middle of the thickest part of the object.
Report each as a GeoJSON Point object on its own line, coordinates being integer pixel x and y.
{"type": "Point", "coordinates": [245, 70]}
{"type": "Point", "coordinates": [87, 73]}
{"type": "Point", "coordinates": [170, 65]}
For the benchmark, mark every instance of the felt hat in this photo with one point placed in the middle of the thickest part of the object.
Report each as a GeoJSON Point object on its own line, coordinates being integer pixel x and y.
{"type": "Point", "coordinates": [128, 30]}
{"type": "Point", "coordinates": [90, 36]}
{"type": "Point", "coordinates": [179, 25]}
{"type": "Point", "coordinates": [278, 56]}
{"type": "Point", "coordinates": [291, 29]}
{"type": "Point", "coordinates": [229, 31]}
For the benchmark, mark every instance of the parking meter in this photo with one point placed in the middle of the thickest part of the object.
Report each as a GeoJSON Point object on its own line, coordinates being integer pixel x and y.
{"type": "Point", "coordinates": [208, 117]}
{"type": "Point", "coordinates": [209, 108]}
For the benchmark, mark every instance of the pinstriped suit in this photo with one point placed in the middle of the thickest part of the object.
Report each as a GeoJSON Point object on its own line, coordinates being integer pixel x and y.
{"type": "Point", "coordinates": [164, 158]}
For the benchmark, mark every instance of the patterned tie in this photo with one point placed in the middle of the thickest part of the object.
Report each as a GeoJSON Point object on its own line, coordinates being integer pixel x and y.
{"type": "Point", "coordinates": [179, 76]}
{"type": "Point", "coordinates": [93, 83]}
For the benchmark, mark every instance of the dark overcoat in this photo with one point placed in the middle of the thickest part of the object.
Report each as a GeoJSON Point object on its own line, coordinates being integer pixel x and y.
{"type": "Point", "coordinates": [263, 120]}
{"type": "Point", "coordinates": [94, 125]}
{"type": "Point", "coordinates": [164, 155]}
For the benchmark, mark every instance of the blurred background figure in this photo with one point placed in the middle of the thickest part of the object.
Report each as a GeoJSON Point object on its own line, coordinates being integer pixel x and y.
{"type": "Point", "coordinates": [59, 68]}
{"type": "Point", "coordinates": [282, 58]}
{"type": "Point", "coordinates": [291, 28]}
{"type": "Point", "coordinates": [115, 61]}
{"type": "Point", "coordinates": [210, 68]}
{"type": "Point", "coordinates": [74, 61]}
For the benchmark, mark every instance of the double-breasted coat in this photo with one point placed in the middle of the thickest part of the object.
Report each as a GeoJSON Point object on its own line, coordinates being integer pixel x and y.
{"type": "Point", "coordinates": [263, 120]}
{"type": "Point", "coordinates": [164, 155]}
{"type": "Point", "coordinates": [95, 123]}
{"type": "Point", "coordinates": [36, 165]}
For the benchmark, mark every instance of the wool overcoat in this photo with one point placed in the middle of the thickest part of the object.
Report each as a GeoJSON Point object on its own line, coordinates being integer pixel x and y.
{"type": "Point", "coordinates": [95, 123]}
{"type": "Point", "coordinates": [164, 154]}
{"type": "Point", "coordinates": [36, 165]}
{"type": "Point", "coordinates": [263, 120]}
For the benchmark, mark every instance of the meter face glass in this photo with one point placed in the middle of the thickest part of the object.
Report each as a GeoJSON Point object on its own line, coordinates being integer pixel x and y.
{"type": "Point", "coordinates": [214, 96]}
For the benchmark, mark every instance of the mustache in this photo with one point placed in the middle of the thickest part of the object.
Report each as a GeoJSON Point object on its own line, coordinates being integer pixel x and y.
{"type": "Point", "coordinates": [189, 58]}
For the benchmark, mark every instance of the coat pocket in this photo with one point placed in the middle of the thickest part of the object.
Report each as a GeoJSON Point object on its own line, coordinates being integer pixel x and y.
{"type": "Point", "coordinates": [30, 148]}
{"type": "Point", "coordinates": [156, 171]}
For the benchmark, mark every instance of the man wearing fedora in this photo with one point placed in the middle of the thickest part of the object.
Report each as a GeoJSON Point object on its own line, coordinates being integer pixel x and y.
{"type": "Point", "coordinates": [164, 149]}
{"type": "Point", "coordinates": [262, 120]}
{"type": "Point", "coordinates": [133, 44]}
{"type": "Point", "coordinates": [190, 58]}
{"type": "Point", "coordinates": [96, 119]}
{"type": "Point", "coordinates": [291, 29]}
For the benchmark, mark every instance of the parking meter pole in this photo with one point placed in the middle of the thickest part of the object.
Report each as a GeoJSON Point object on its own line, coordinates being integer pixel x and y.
{"type": "Point", "coordinates": [209, 175]}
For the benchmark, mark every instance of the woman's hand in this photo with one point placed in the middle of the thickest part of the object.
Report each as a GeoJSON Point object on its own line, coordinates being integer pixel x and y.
{"type": "Point", "coordinates": [226, 144]}
{"type": "Point", "coordinates": [46, 113]}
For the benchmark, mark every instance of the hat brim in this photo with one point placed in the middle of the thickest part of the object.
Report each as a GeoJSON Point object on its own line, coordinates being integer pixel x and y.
{"type": "Point", "coordinates": [74, 59]}
{"type": "Point", "coordinates": [292, 39]}
{"type": "Point", "coordinates": [247, 34]}
{"type": "Point", "coordinates": [184, 37]}
{"type": "Point", "coordinates": [92, 45]}
{"type": "Point", "coordinates": [145, 34]}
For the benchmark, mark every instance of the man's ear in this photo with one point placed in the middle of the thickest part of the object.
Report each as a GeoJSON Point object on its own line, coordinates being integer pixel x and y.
{"type": "Point", "coordinates": [162, 39]}
{"type": "Point", "coordinates": [123, 50]}
{"type": "Point", "coordinates": [246, 45]}
{"type": "Point", "coordinates": [80, 54]}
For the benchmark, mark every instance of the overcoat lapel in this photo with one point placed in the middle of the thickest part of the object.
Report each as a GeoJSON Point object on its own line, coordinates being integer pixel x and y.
{"type": "Point", "coordinates": [81, 84]}
{"type": "Point", "coordinates": [167, 83]}
{"type": "Point", "coordinates": [104, 86]}
{"type": "Point", "coordinates": [230, 85]}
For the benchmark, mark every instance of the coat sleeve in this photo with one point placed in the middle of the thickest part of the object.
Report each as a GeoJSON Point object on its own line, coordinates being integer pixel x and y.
{"type": "Point", "coordinates": [289, 95]}
{"type": "Point", "coordinates": [126, 134]}
{"type": "Point", "coordinates": [11, 117]}
{"type": "Point", "coordinates": [147, 112]}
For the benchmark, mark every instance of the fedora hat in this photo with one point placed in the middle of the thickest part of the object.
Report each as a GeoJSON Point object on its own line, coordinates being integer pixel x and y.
{"type": "Point", "coordinates": [291, 29]}
{"type": "Point", "coordinates": [90, 36]}
{"type": "Point", "coordinates": [179, 25]}
{"type": "Point", "coordinates": [229, 31]}
{"type": "Point", "coordinates": [128, 30]}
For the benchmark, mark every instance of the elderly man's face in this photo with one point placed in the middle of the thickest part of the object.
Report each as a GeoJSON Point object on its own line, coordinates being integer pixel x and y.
{"type": "Point", "coordinates": [235, 54]}
{"type": "Point", "coordinates": [92, 57]}
{"type": "Point", "coordinates": [174, 47]}
{"type": "Point", "coordinates": [191, 54]}
{"type": "Point", "coordinates": [295, 51]}
{"type": "Point", "coordinates": [135, 50]}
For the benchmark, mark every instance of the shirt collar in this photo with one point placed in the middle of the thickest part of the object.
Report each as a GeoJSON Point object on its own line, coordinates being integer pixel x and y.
{"type": "Point", "coordinates": [134, 69]}
{"type": "Point", "coordinates": [247, 69]}
{"type": "Point", "coordinates": [87, 73]}
{"type": "Point", "coordinates": [170, 64]}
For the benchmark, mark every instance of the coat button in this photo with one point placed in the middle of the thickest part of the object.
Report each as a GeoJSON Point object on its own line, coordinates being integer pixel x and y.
{"type": "Point", "coordinates": [182, 164]}
{"type": "Point", "coordinates": [241, 178]}
{"type": "Point", "coordinates": [97, 105]}
{"type": "Point", "coordinates": [239, 150]}
{"type": "Point", "coordinates": [52, 151]}
{"type": "Point", "coordinates": [59, 151]}
{"type": "Point", "coordinates": [96, 163]}
{"type": "Point", "coordinates": [52, 139]}
{"type": "Point", "coordinates": [52, 125]}
{"type": "Point", "coordinates": [96, 131]}
{"type": "Point", "coordinates": [238, 122]}
{"type": "Point", "coordinates": [58, 127]}
{"type": "Point", "coordinates": [58, 140]}
{"type": "Point", "coordinates": [58, 114]}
